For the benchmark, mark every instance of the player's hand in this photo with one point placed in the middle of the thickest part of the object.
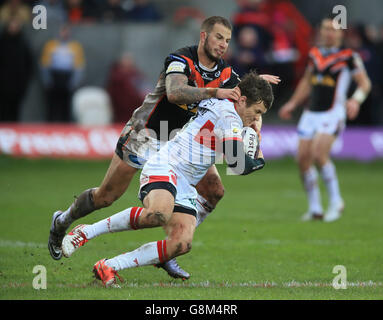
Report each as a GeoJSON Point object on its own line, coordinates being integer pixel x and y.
{"type": "Point", "coordinates": [285, 112]}
{"type": "Point", "coordinates": [257, 125]}
{"type": "Point", "coordinates": [352, 107]}
{"type": "Point", "coordinates": [232, 94]}
{"type": "Point", "coordinates": [270, 78]}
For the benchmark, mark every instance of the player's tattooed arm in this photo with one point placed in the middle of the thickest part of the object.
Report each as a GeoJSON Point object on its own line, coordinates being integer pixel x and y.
{"type": "Point", "coordinates": [179, 92]}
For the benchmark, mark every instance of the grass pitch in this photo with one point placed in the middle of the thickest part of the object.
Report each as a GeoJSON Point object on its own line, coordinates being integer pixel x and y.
{"type": "Point", "coordinates": [253, 246]}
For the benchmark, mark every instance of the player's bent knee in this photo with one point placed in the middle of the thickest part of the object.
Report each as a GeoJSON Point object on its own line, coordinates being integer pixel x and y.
{"type": "Point", "coordinates": [320, 159]}
{"type": "Point", "coordinates": [304, 161]}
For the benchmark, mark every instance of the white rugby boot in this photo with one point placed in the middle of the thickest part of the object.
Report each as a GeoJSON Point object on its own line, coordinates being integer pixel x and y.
{"type": "Point", "coordinates": [334, 211]}
{"type": "Point", "coordinates": [73, 240]}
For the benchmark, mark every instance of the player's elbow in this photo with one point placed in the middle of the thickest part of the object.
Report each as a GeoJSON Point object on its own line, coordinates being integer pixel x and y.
{"type": "Point", "coordinates": [367, 85]}
{"type": "Point", "coordinates": [173, 97]}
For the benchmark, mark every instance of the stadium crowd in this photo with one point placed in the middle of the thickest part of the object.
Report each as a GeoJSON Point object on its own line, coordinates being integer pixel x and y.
{"type": "Point", "coordinates": [271, 36]}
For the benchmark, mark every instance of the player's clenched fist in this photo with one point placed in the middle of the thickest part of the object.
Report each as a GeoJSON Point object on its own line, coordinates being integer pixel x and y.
{"type": "Point", "coordinates": [352, 107]}
{"type": "Point", "coordinates": [285, 112]}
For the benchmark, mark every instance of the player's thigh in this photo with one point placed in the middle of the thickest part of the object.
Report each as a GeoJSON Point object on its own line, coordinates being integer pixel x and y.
{"type": "Point", "coordinates": [304, 154]}
{"type": "Point", "coordinates": [159, 201]}
{"type": "Point", "coordinates": [210, 186]}
{"type": "Point", "coordinates": [180, 231]}
{"type": "Point", "coordinates": [321, 148]}
{"type": "Point", "coordinates": [116, 181]}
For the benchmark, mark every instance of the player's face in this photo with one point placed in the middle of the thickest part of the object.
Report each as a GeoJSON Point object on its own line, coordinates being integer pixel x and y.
{"type": "Point", "coordinates": [216, 42]}
{"type": "Point", "coordinates": [251, 113]}
{"type": "Point", "coordinates": [330, 36]}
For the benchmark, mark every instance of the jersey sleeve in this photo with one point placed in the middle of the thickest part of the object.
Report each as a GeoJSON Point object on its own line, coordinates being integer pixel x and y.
{"type": "Point", "coordinates": [176, 64]}
{"type": "Point", "coordinates": [355, 63]}
{"type": "Point", "coordinates": [310, 62]}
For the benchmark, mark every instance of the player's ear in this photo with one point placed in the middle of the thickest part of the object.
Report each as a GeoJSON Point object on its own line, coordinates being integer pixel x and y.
{"type": "Point", "coordinates": [203, 36]}
{"type": "Point", "coordinates": [243, 100]}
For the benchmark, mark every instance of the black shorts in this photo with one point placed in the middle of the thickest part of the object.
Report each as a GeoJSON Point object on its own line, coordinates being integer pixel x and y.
{"type": "Point", "coordinates": [169, 187]}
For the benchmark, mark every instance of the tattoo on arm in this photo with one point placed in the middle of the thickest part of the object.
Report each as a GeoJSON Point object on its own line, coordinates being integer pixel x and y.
{"type": "Point", "coordinates": [178, 91]}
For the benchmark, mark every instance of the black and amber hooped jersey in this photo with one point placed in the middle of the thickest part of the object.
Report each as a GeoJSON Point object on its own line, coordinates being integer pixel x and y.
{"type": "Point", "coordinates": [332, 70]}
{"type": "Point", "coordinates": [156, 108]}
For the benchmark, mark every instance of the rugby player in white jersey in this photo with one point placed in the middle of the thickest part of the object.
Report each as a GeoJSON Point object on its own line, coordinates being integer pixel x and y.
{"type": "Point", "coordinates": [169, 178]}
{"type": "Point", "coordinates": [326, 80]}
{"type": "Point", "coordinates": [190, 75]}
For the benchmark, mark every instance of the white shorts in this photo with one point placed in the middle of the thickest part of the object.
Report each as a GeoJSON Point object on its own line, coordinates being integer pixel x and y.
{"type": "Point", "coordinates": [164, 175]}
{"type": "Point", "coordinates": [330, 122]}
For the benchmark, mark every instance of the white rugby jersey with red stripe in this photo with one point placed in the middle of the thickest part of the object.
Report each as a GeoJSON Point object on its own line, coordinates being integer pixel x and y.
{"type": "Point", "coordinates": [196, 147]}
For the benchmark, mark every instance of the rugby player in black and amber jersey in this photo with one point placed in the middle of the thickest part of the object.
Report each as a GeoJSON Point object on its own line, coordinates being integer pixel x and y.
{"type": "Point", "coordinates": [189, 76]}
{"type": "Point", "coordinates": [330, 70]}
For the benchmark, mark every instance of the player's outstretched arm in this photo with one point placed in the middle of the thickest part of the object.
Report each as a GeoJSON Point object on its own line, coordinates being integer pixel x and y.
{"type": "Point", "coordinates": [179, 92]}
{"type": "Point", "coordinates": [270, 78]}
{"type": "Point", "coordinates": [301, 93]}
{"type": "Point", "coordinates": [360, 95]}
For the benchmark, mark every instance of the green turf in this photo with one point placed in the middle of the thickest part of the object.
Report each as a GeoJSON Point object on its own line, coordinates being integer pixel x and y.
{"type": "Point", "coordinates": [252, 247]}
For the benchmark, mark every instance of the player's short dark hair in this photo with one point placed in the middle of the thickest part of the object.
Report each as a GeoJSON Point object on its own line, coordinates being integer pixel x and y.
{"type": "Point", "coordinates": [208, 24]}
{"type": "Point", "coordinates": [256, 90]}
{"type": "Point", "coordinates": [327, 17]}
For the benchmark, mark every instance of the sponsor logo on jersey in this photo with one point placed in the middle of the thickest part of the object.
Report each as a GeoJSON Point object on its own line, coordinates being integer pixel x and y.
{"type": "Point", "coordinates": [176, 66]}
{"type": "Point", "coordinates": [205, 76]}
{"type": "Point", "coordinates": [323, 80]}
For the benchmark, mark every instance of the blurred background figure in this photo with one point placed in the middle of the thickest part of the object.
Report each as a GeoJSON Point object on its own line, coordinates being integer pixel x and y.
{"type": "Point", "coordinates": [112, 11]}
{"type": "Point", "coordinates": [62, 67]}
{"type": "Point", "coordinates": [364, 40]}
{"type": "Point", "coordinates": [15, 9]}
{"type": "Point", "coordinates": [250, 53]}
{"type": "Point", "coordinates": [80, 11]}
{"type": "Point", "coordinates": [142, 11]}
{"type": "Point", "coordinates": [16, 63]}
{"type": "Point", "coordinates": [127, 87]}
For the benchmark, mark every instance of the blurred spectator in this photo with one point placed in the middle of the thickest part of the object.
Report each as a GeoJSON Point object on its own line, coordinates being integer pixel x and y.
{"type": "Point", "coordinates": [15, 9]}
{"type": "Point", "coordinates": [75, 11]}
{"type": "Point", "coordinates": [112, 11]}
{"type": "Point", "coordinates": [62, 65]}
{"type": "Point", "coordinates": [143, 11]}
{"type": "Point", "coordinates": [83, 11]}
{"type": "Point", "coordinates": [250, 52]}
{"type": "Point", "coordinates": [56, 13]}
{"type": "Point", "coordinates": [127, 87]}
{"type": "Point", "coordinates": [15, 70]}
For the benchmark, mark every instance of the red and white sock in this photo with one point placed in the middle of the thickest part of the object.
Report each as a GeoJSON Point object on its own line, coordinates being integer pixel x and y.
{"type": "Point", "coordinates": [204, 209]}
{"type": "Point", "coordinates": [122, 221]}
{"type": "Point", "coordinates": [148, 254]}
